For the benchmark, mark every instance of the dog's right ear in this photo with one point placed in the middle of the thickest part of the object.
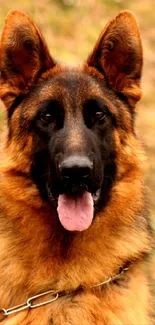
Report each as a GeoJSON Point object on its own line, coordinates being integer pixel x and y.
{"type": "Point", "coordinates": [118, 55]}
{"type": "Point", "coordinates": [23, 56]}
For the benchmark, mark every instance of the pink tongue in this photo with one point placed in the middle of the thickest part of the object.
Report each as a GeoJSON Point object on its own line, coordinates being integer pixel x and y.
{"type": "Point", "coordinates": [75, 213]}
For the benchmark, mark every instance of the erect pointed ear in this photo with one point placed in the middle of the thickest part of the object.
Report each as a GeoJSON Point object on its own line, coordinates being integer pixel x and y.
{"type": "Point", "coordinates": [23, 56]}
{"type": "Point", "coordinates": [118, 55]}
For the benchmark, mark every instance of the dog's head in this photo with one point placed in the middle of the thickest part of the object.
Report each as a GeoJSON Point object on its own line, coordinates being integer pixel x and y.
{"type": "Point", "coordinates": [69, 128]}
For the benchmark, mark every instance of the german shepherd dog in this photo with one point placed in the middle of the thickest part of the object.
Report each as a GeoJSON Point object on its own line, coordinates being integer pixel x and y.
{"type": "Point", "coordinates": [74, 228]}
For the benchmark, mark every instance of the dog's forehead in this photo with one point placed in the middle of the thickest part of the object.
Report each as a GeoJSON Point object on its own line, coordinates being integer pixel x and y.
{"type": "Point", "coordinates": [72, 83]}
{"type": "Point", "coordinates": [71, 87]}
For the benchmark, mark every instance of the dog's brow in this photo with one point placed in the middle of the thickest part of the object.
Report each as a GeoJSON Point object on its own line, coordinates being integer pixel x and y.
{"type": "Point", "coordinates": [49, 103]}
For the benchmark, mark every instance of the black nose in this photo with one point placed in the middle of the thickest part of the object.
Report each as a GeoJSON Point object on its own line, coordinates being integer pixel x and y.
{"type": "Point", "coordinates": [75, 168]}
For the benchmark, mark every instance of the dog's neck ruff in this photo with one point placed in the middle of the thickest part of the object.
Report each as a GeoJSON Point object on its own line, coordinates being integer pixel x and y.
{"type": "Point", "coordinates": [31, 302]}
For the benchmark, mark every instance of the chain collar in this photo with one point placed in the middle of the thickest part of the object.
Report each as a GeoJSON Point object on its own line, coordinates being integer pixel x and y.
{"type": "Point", "coordinates": [31, 302]}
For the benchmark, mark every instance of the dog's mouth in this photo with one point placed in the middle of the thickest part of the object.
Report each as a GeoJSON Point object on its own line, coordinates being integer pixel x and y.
{"type": "Point", "coordinates": [75, 210]}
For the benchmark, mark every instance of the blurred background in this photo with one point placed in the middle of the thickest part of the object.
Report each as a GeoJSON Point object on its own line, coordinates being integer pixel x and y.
{"type": "Point", "coordinates": [71, 28]}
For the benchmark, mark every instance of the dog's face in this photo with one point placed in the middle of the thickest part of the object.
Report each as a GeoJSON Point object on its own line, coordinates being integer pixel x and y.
{"type": "Point", "coordinates": [73, 142]}
{"type": "Point", "coordinates": [68, 124]}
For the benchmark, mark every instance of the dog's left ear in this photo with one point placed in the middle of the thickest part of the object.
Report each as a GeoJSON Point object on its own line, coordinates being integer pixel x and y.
{"type": "Point", "coordinates": [23, 56]}
{"type": "Point", "coordinates": [118, 55]}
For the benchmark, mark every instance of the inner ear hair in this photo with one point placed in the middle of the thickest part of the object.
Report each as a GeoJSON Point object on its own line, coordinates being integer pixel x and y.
{"type": "Point", "coordinates": [118, 55]}
{"type": "Point", "coordinates": [23, 57]}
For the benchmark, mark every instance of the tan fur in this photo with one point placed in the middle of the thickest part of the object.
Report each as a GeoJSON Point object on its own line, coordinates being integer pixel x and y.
{"type": "Point", "coordinates": [36, 253]}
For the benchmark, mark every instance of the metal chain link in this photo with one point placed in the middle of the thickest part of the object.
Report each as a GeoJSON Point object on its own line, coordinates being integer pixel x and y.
{"type": "Point", "coordinates": [30, 303]}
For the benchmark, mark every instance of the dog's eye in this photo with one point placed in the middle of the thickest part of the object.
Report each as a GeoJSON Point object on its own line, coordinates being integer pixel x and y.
{"type": "Point", "coordinates": [47, 117]}
{"type": "Point", "coordinates": [95, 112]}
{"type": "Point", "coordinates": [51, 113]}
{"type": "Point", "coordinates": [100, 116]}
